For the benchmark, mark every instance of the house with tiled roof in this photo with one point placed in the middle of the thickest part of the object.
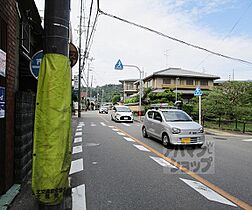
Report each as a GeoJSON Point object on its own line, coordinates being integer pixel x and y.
{"type": "Point", "coordinates": [184, 81]}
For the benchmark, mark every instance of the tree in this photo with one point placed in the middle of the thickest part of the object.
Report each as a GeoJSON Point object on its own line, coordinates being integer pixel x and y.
{"type": "Point", "coordinates": [116, 98]}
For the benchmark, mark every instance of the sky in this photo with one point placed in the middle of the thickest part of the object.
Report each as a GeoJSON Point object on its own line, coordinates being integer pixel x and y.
{"type": "Point", "coordinates": [218, 25]}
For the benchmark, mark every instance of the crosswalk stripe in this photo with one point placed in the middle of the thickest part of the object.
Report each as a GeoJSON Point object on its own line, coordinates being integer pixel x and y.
{"type": "Point", "coordinates": [79, 198]}
{"type": "Point", "coordinates": [207, 192]}
{"type": "Point", "coordinates": [92, 124]}
{"type": "Point", "coordinates": [142, 148]}
{"type": "Point", "coordinates": [162, 162]}
{"type": "Point", "coordinates": [79, 129]}
{"type": "Point", "coordinates": [78, 139]}
{"type": "Point", "coordinates": [76, 166]}
{"type": "Point", "coordinates": [115, 129]}
{"type": "Point", "coordinates": [111, 126]}
{"type": "Point", "coordinates": [77, 149]}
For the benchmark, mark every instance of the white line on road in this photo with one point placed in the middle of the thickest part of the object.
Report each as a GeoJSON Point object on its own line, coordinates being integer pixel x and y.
{"type": "Point", "coordinates": [207, 192]}
{"type": "Point", "coordinates": [78, 134]}
{"type": "Point", "coordinates": [103, 124]}
{"type": "Point", "coordinates": [79, 198]}
{"type": "Point", "coordinates": [82, 123]}
{"type": "Point", "coordinates": [111, 126]}
{"type": "Point", "coordinates": [128, 139]}
{"type": "Point", "coordinates": [247, 140]}
{"type": "Point", "coordinates": [79, 126]}
{"type": "Point", "coordinates": [77, 149]}
{"type": "Point", "coordinates": [76, 166]}
{"type": "Point", "coordinates": [115, 129]}
{"type": "Point", "coordinates": [93, 124]}
{"type": "Point", "coordinates": [162, 162]}
{"type": "Point", "coordinates": [120, 133]}
{"type": "Point", "coordinates": [79, 129]}
{"type": "Point", "coordinates": [126, 124]}
{"type": "Point", "coordinates": [142, 148]}
{"type": "Point", "coordinates": [78, 139]}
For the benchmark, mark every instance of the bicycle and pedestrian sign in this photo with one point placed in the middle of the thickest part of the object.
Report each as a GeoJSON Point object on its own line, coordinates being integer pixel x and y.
{"type": "Point", "coordinates": [119, 65]}
{"type": "Point", "coordinates": [198, 91]}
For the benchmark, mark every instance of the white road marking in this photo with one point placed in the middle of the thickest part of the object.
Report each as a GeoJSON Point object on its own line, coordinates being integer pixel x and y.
{"type": "Point", "coordinates": [81, 123]}
{"type": "Point", "coordinates": [78, 134]}
{"type": "Point", "coordinates": [76, 166]}
{"type": "Point", "coordinates": [120, 133]}
{"type": "Point", "coordinates": [93, 124]}
{"type": "Point", "coordinates": [207, 192]}
{"type": "Point", "coordinates": [103, 124]}
{"type": "Point", "coordinates": [79, 198]}
{"type": "Point", "coordinates": [128, 139]}
{"type": "Point", "coordinates": [77, 149]}
{"type": "Point", "coordinates": [78, 139]}
{"type": "Point", "coordinates": [92, 144]}
{"type": "Point", "coordinates": [79, 129]}
{"type": "Point", "coordinates": [142, 148]}
{"type": "Point", "coordinates": [94, 163]}
{"type": "Point", "coordinates": [115, 129]}
{"type": "Point", "coordinates": [247, 140]}
{"type": "Point", "coordinates": [126, 124]}
{"type": "Point", "coordinates": [79, 126]}
{"type": "Point", "coordinates": [162, 162]}
{"type": "Point", "coordinates": [111, 126]}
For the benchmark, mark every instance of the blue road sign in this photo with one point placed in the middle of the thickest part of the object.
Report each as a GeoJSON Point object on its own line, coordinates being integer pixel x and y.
{"type": "Point", "coordinates": [35, 63]}
{"type": "Point", "coordinates": [119, 65]}
{"type": "Point", "coordinates": [2, 102]}
{"type": "Point", "coordinates": [198, 91]}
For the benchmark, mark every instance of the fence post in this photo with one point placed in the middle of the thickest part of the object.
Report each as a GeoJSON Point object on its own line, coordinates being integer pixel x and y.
{"type": "Point", "coordinates": [219, 121]}
{"type": "Point", "coordinates": [244, 126]}
{"type": "Point", "coordinates": [236, 124]}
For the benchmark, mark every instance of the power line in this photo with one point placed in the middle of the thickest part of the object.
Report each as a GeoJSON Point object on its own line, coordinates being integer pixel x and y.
{"type": "Point", "coordinates": [230, 31]}
{"type": "Point", "coordinates": [175, 39]}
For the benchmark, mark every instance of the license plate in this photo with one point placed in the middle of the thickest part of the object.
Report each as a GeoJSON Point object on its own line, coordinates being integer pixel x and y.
{"type": "Point", "coordinates": [186, 140]}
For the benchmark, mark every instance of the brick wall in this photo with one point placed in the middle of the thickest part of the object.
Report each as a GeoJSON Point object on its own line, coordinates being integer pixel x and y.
{"type": "Point", "coordinates": [9, 15]}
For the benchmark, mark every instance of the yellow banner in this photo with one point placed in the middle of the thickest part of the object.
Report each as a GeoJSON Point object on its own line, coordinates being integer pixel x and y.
{"type": "Point", "coordinates": [52, 130]}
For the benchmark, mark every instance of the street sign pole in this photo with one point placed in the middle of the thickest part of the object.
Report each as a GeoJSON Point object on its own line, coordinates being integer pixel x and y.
{"type": "Point", "coordinates": [200, 110]}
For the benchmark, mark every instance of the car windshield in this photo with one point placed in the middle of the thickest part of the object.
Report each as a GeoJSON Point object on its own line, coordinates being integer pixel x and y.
{"type": "Point", "coordinates": [123, 109]}
{"type": "Point", "coordinates": [175, 116]}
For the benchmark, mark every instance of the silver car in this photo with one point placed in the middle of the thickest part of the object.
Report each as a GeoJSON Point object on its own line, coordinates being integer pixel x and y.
{"type": "Point", "coordinates": [173, 126]}
{"type": "Point", "coordinates": [121, 113]}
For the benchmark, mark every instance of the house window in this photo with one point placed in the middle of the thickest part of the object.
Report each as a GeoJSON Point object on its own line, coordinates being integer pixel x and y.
{"type": "Point", "coordinates": [189, 82]}
{"type": "Point", "coordinates": [181, 82]}
{"type": "Point", "coordinates": [166, 81]}
{"type": "Point", "coordinates": [204, 82]}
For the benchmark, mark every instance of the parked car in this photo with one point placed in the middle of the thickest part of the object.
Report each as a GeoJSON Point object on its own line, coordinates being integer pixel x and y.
{"type": "Point", "coordinates": [172, 126]}
{"type": "Point", "coordinates": [121, 113]}
{"type": "Point", "coordinates": [103, 110]}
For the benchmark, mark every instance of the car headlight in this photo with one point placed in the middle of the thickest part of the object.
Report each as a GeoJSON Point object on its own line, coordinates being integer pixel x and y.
{"type": "Point", "coordinates": [176, 130]}
{"type": "Point", "coordinates": [201, 130]}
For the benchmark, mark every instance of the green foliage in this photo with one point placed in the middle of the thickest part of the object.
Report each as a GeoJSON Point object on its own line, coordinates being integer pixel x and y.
{"type": "Point", "coordinates": [164, 97]}
{"type": "Point", "coordinates": [231, 100]}
{"type": "Point", "coordinates": [134, 99]}
{"type": "Point", "coordinates": [116, 98]}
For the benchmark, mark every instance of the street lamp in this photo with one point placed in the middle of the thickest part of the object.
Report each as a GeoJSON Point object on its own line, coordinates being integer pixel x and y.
{"type": "Point", "coordinates": [141, 88]}
{"type": "Point", "coordinates": [177, 88]}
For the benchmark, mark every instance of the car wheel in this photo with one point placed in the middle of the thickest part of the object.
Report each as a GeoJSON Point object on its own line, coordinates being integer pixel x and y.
{"type": "Point", "coordinates": [165, 140]}
{"type": "Point", "coordinates": [144, 132]}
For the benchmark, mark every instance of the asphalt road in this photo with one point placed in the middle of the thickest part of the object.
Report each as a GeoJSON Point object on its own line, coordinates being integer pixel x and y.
{"type": "Point", "coordinates": [119, 169]}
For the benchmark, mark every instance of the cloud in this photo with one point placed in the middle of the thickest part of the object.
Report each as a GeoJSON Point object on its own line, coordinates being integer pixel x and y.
{"type": "Point", "coordinates": [177, 18]}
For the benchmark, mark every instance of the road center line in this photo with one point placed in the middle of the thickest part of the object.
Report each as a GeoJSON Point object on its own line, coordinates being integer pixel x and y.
{"type": "Point", "coordinates": [162, 162]}
{"type": "Point", "coordinates": [140, 147]}
{"type": "Point", "coordinates": [120, 133]}
{"type": "Point", "coordinates": [128, 139]}
{"type": "Point", "coordinates": [217, 189]}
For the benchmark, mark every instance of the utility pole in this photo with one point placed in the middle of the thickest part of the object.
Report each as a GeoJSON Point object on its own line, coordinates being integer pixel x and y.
{"type": "Point", "coordinates": [79, 87]}
{"type": "Point", "coordinates": [50, 167]}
